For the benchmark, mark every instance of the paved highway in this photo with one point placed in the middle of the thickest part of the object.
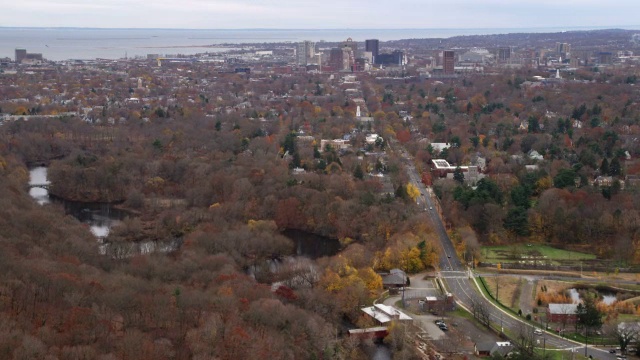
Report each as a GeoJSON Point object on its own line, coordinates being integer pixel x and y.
{"type": "Point", "coordinates": [463, 287]}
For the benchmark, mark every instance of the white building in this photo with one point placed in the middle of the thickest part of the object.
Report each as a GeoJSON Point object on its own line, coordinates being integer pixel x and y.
{"type": "Point", "coordinates": [385, 313]}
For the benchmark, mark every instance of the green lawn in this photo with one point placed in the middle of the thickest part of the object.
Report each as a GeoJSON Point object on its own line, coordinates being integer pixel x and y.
{"type": "Point", "coordinates": [531, 253]}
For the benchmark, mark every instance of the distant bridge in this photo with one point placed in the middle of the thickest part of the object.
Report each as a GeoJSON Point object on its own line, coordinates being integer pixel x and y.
{"type": "Point", "coordinates": [42, 186]}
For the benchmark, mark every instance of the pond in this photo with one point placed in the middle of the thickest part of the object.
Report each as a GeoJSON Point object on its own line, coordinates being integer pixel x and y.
{"type": "Point", "coordinates": [306, 247]}
{"type": "Point", "coordinates": [100, 217]}
{"type": "Point", "coordinates": [607, 298]}
{"type": "Point", "coordinates": [312, 245]}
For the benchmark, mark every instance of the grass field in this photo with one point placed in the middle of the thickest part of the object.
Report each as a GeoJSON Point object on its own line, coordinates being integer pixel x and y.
{"type": "Point", "coordinates": [531, 253]}
{"type": "Point", "coordinates": [507, 288]}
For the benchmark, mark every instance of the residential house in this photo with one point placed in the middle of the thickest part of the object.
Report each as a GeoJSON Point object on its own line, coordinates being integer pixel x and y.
{"type": "Point", "coordinates": [633, 180]}
{"type": "Point", "coordinates": [603, 181]}
{"type": "Point", "coordinates": [534, 155]}
{"type": "Point", "coordinates": [338, 144]}
{"type": "Point", "coordinates": [394, 279]}
{"type": "Point", "coordinates": [490, 348]}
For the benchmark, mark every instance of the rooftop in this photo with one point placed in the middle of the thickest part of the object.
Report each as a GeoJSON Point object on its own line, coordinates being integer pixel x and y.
{"type": "Point", "coordinates": [385, 313]}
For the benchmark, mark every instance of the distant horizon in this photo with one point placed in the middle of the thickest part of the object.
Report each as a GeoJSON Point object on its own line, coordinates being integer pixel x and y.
{"type": "Point", "coordinates": [585, 28]}
{"type": "Point", "coordinates": [61, 43]}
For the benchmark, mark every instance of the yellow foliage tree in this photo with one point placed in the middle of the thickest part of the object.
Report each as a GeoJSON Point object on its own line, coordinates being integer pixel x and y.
{"type": "Point", "coordinates": [331, 281]}
{"type": "Point", "coordinates": [543, 184]}
{"type": "Point", "coordinates": [412, 191]}
{"type": "Point", "coordinates": [413, 260]}
{"type": "Point", "coordinates": [371, 279]}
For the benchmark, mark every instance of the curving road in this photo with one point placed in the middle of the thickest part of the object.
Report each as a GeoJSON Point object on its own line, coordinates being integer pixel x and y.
{"type": "Point", "coordinates": [462, 284]}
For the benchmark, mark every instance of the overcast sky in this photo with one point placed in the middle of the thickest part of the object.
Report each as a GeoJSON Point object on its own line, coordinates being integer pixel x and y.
{"type": "Point", "coordinates": [319, 14]}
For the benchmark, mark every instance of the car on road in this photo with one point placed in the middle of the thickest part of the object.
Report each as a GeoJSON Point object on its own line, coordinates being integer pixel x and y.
{"type": "Point", "coordinates": [537, 332]}
{"type": "Point", "coordinates": [612, 351]}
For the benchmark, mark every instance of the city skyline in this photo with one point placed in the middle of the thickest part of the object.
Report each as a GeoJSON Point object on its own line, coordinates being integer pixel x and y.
{"type": "Point", "coordinates": [331, 14]}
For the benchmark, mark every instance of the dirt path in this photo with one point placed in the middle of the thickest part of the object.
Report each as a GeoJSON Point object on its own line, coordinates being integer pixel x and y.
{"type": "Point", "coordinates": [526, 295]}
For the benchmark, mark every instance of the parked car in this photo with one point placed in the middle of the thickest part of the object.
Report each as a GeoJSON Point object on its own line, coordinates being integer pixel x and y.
{"type": "Point", "coordinates": [439, 322]}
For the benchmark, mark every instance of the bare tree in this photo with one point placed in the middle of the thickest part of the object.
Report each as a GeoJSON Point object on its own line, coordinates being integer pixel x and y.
{"type": "Point", "coordinates": [625, 334]}
{"type": "Point", "coordinates": [525, 338]}
{"type": "Point", "coordinates": [480, 311]}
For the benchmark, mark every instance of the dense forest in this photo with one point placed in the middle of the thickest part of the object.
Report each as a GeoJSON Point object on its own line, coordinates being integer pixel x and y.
{"type": "Point", "coordinates": [227, 180]}
{"type": "Point", "coordinates": [222, 186]}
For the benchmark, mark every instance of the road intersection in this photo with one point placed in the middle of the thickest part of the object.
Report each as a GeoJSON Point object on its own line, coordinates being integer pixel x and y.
{"type": "Point", "coordinates": [463, 285]}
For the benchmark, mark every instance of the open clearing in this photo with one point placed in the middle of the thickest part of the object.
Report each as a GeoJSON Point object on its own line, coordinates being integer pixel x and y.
{"type": "Point", "coordinates": [507, 288]}
{"type": "Point", "coordinates": [531, 254]}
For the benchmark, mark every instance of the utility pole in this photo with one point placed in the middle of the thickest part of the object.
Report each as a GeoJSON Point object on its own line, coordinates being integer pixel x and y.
{"type": "Point", "coordinates": [586, 340]}
{"type": "Point", "coordinates": [498, 288]}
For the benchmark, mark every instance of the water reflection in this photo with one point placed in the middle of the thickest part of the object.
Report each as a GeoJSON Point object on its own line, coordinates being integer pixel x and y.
{"type": "Point", "coordinates": [101, 218]}
{"type": "Point", "coordinates": [607, 298]}
{"type": "Point", "coordinates": [382, 352]}
{"type": "Point", "coordinates": [39, 176]}
{"type": "Point", "coordinates": [311, 245]}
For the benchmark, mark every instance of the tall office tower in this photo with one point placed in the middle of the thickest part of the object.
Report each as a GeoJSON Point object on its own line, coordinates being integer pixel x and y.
{"type": "Point", "coordinates": [21, 54]}
{"type": "Point", "coordinates": [373, 46]}
{"type": "Point", "coordinates": [336, 59]}
{"type": "Point", "coordinates": [504, 54]}
{"type": "Point", "coordinates": [399, 58]}
{"type": "Point", "coordinates": [448, 61]}
{"type": "Point", "coordinates": [563, 49]}
{"type": "Point", "coordinates": [348, 58]}
{"type": "Point", "coordinates": [352, 45]}
{"type": "Point", "coordinates": [306, 52]}
{"type": "Point", "coordinates": [605, 58]}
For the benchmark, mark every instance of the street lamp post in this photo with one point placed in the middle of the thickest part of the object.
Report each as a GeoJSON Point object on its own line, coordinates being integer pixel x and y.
{"type": "Point", "coordinates": [586, 341]}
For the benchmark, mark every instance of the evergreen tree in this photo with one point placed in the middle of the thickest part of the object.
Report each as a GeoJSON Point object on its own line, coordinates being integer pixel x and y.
{"type": "Point", "coordinates": [358, 173]}
{"type": "Point", "coordinates": [604, 167]}
{"type": "Point", "coordinates": [615, 169]}
{"type": "Point", "coordinates": [589, 316]}
{"type": "Point", "coordinates": [401, 192]}
{"type": "Point", "coordinates": [517, 221]}
{"type": "Point", "coordinates": [458, 175]}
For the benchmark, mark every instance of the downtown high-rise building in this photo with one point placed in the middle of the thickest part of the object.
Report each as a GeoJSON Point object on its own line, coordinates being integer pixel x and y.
{"type": "Point", "coordinates": [21, 54]}
{"type": "Point", "coordinates": [504, 54]}
{"type": "Point", "coordinates": [563, 49]}
{"type": "Point", "coordinates": [372, 46]}
{"type": "Point", "coordinates": [306, 52]}
{"type": "Point", "coordinates": [448, 61]}
{"type": "Point", "coordinates": [336, 59]}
